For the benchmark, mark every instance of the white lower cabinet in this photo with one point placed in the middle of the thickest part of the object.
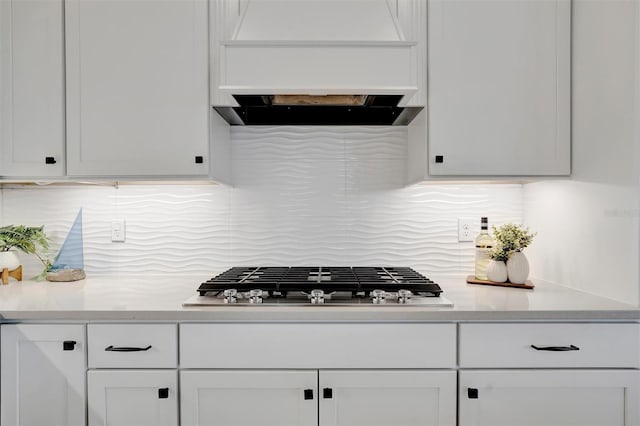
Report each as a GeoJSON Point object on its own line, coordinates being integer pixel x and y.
{"type": "Point", "coordinates": [387, 397]}
{"type": "Point", "coordinates": [249, 398]}
{"type": "Point", "coordinates": [133, 397]}
{"type": "Point", "coordinates": [325, 398]}
{"type": "Point", "coordinates": [551, 397]}
{"type": "Point", "coordinates": [42, 375]}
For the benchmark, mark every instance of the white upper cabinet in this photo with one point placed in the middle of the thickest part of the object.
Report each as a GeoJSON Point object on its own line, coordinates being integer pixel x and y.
{"type": "Point", "coordinates": [31, 88]}
{"type": "Point", "coordinates": [499, 87]}
{"type": "Point", "coordinates": [137, 88]}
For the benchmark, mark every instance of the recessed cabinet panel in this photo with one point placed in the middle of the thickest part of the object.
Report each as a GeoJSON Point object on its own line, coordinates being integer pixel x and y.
{"type": "Point", "coordinates": [42, 375]}
{"type": "Point", "coordinates": [499, 87]}
{"type": "Point", "coordinates": [31, 88]}
{"type": "Point", "coordinates": [249, 398]}
{"type": "Point", "coordinates": [137, 87]}
{"type": "Point", "coordinates": [133, 397]}
{"type": "Point", "coordinates": [291, 345]}
{"type": "Point", "coordinates": [552, 397]}
{"type": "Point", "coordinates": [387, 397]}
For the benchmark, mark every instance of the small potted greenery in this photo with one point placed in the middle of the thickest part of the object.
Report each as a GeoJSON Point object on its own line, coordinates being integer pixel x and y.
{"type": "Point", "coordinates": [507, 259]}
{"type": "Point", "coordinates": [27, 239]}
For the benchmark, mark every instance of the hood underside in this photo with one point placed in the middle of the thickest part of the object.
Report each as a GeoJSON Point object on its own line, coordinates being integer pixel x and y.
{"type": "Point", "coordinates": [358, 110]}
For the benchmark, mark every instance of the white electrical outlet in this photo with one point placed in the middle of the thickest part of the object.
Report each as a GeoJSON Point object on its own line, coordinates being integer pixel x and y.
{"type": "Point", "coordinates": [465, 229]}
{"type": "Point", "coordinates": [118, 231]}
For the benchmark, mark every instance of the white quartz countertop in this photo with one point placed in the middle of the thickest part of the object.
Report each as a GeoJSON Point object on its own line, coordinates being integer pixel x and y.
{"type": "Point", "coordinates": [160, 298]}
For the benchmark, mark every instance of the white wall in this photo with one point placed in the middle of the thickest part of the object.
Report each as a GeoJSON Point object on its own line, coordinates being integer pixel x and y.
{"type": "Point", "coordinates": [303, 196]}
{"type": "Point", "coordinates": [588, 233]}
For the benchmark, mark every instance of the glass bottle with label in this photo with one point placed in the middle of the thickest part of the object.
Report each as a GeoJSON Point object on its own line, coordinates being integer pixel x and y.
{"type": "Point", "coordinates": [484, 244]}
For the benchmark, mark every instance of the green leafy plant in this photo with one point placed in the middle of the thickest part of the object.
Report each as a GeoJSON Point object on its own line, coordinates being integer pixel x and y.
{"type": "Point", "coordinates": [27, 239]}
{"type": "Point", "coordinates": [509, 239]}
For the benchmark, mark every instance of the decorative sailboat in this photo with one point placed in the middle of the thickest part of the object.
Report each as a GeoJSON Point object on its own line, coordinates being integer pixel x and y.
{"type": "Point", "coordinates": [69, 263]}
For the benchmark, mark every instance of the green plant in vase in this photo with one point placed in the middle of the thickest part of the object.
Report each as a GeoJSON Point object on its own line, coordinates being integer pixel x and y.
{"type": "Point", "coordinates": [508, 260]}
{"type": "Point", "coordinates": [27, 239]}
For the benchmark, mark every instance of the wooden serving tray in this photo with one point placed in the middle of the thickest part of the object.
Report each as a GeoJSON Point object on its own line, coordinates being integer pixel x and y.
{"type": "Point", "coordinates": [472, 280]}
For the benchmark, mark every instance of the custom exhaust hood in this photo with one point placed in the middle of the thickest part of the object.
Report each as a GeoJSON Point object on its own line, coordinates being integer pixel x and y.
{"type": "Point", "coordinates": [348, 62]}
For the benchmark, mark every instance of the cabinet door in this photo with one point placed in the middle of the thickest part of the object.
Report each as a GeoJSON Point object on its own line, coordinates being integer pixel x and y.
{"type": "Point", "coordinates": [42, 370]}
{"type": "Point", "coordinates": [137, 87]}
{"type": "Point", "coordinates": [499, 87]}
{"type": "Point", "coordinates": [387, 398]}
{"type": "Point", "coordinates": [133, 397]}
{"type": "Point", "coordinates": [31, 88]}
{"type": "Point", "coordinates": [249, 398]}
{"type": "Point", "coordinates": [552, 397]}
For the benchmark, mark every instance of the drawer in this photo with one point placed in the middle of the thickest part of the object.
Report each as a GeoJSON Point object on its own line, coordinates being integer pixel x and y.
{"type": "Point", "coordinates": [511, 345]}
{"type": "Point", "coordinates": [318, 345]}
{"type": "Point", "coordinates": [132, 345]}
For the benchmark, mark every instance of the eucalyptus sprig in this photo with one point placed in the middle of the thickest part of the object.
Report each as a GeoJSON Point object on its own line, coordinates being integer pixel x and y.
{"type": "Point", "coordinates": [509, 239]}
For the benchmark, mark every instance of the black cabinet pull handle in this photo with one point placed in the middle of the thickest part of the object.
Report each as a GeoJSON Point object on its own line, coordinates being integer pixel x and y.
{"type": "Point", "coordinates": [439, 159]}
{"type": "Point", "coordinates": [308, 394]}
{"type": "Point", "coordinates": [199, 159]}
{"type": "Point", "coordinates": [556, 348]}
{"type": "Point", "coordinates": [112, 348]}
{"type": "Point", "coordinates": [69, 345]}
{"type": "Point", "coordinates": [163, 393]}
{"type": "Point", "coordinates": [49, 160]}
{"type": "Point", "coordinates": [472, 393]}
{"type": "Point", "coordinates": [327, 393]}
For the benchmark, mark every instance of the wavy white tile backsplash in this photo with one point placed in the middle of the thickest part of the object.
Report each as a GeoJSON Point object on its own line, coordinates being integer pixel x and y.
{"type": "Point", "coordinates": [302, 196]}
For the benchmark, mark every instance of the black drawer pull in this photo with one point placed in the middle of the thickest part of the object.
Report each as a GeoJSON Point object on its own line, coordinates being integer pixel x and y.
{"type": "Point", "coordinates": [163, 393]}
{"type": "Point", "coordinates": [308, 394]}
{"type": "Point", "coordinates": [69, 345]}
{"type": "Point", "coordinates": [126, 349]}
{"type": "Point", "coordinates": [472, 393]}
{"type": "Point", "coordinates": [199, 159]}
{"type": "Point", "coordinates": [556, 348]}
{"type": "Point", "coordinates": [439, 159]}
{"type": "Point", "coordinates": [49, 160]}
{"type": "Point", "coordinates": [327, 393]}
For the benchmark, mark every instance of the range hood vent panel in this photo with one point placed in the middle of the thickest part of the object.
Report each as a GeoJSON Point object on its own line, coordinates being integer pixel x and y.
{"type": "Point", "coordinates": [317, 47]}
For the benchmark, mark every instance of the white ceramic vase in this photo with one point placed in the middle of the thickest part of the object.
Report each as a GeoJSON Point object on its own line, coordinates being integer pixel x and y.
{"type": "Point", "coordinates": [518, 268]}
{"type": "Point", "coordinates": [9, 259]}
{"type": "Point", "coordinates": [497, 271]}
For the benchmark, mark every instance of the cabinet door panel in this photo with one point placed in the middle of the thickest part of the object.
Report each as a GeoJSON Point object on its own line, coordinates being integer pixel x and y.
{"type": "Point", "coordinates": [42, 381]}
{"type": "Point", "coordinates": [31, 88]}
{"type": "Point", "coordinates": [499, 87]}
{"type": "Point", "coordinates": [387, 398]}
{"type": "Point", "coordinates": [132, 397]}
{"type": "Point", "coordinates": [552, 397]}
{"type": "Point", "coordinates": [248, 398]}
{"type": "Point", "coordinates": [137, 87]}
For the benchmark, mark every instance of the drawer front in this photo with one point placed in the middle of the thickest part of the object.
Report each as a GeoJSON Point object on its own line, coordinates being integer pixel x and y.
{"type": "Point", "coordinates": [317, 345]}
{"type": "Point", "coordinates": [556, 345]}
{"type": "Point", "coordinates": [132, 345]}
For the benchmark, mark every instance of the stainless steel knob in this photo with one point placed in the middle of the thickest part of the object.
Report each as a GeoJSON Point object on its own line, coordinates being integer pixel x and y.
{"type": "Point", "coordinates": [317, 296]}
{"type": "Point", "coordinates": [378, 297]}
{"type": "Point", "coordinates": [230, 295]}
{"type": "Point", "coordinates": [404, 296]}
{"type": "Point", "coordinates": [255, 296]}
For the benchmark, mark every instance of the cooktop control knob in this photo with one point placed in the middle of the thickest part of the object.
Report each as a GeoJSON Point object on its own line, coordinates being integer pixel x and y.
{"type": "Point", "coordinates": [255, 296]}
{"type": "Point", "coordinates": [317, 296]}
{"type": "Point", "coordinates": [230, 295]}
{"type": "Point", "coordinates": [378, 297]}
{"type": "Point", "coordinates": [404, 296]}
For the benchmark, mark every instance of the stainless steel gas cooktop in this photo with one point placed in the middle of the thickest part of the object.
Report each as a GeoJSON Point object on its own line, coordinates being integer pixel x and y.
{"type": "Point", "coordinates": [319, 286]}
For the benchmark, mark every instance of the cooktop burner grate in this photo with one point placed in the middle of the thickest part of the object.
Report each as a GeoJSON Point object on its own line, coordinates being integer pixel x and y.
{"type": "Point", "coordinates": [359, 281]}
